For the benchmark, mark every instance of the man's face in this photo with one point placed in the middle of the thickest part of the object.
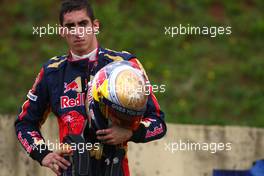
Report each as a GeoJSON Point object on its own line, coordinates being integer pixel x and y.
{"type": "Point", "coordinates": [80, 33]}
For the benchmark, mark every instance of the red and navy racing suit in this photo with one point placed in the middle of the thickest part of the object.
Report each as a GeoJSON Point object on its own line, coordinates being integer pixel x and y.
{"type": "Point", "coordinates": [61, 87]}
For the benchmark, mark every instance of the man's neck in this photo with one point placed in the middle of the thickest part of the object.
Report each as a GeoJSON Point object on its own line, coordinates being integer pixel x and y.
{"type": "Point", "coordinates": [91, 55]}
{"type": "Point", "coordinates": [82, 53]}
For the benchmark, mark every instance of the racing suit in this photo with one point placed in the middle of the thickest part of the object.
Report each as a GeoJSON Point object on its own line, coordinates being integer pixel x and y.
{"type": "Point", "coordinates": [61, 87]}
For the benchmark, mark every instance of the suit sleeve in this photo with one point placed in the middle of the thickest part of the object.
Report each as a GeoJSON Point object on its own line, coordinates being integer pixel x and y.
{"type": "Point", "coordinates": [152, 126]}
{"type": "Point", "coordinates": [32, 115]}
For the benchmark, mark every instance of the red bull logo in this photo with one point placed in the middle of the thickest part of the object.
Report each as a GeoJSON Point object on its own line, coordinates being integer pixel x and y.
{"type": "Point", "coordinates": [157, 130]}
{"type": "Point", "coordinates": [24, 142]}
{"type": "Point", "coordinates": [147, 122]}
{"type": "Point", "coordinates": [34, 134]}
{"type": "Point", "coordinates": [67, 102]}
{"type": "Point", "coordinates": [36, 137]}
{"type": "Point", "coordinates": [75, 85]}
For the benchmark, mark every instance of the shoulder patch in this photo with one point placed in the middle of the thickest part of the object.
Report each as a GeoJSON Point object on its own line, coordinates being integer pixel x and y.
{"type": "Point", "coordinates": [56, 64]}
{"type": "Point", "coordinates": [142, 68]}
{"type": "Point", "coordinates": [114, 58]}
{"type": "Point", "coordinates": [118, 52]}
{"type": "Point", "coordinates": [55, 58]}
{"type": "Point", "coordinates": [118, 56]}
{"type": "Point", "coordinates": [111, 50]}
{"type": "Point", "coordinates": [126, 52]}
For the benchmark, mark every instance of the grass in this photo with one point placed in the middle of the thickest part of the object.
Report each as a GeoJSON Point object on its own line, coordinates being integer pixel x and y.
{"type": "Point", "coordinates": [208, 80]}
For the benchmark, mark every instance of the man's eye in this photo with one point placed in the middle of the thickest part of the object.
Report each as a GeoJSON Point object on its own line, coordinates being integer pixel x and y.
{"type": "Point", "coordinates": [83, 23]}
{"type": "Point", "coordinates": [70, 26]}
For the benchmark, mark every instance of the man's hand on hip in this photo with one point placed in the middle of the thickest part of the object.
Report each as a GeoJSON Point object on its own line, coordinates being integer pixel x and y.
{"type": "Point", "coordinates": [55, 162]}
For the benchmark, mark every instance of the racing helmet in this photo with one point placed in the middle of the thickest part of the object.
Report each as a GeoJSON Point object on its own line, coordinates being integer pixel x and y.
{"type": "Point", "coordinates": [119, 89]}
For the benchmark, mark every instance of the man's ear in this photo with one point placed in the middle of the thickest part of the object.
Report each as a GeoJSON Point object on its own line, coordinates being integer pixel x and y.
{"type": "Point", "coordinates": [63, 31]}
{"type": "Point", "coordinates": [96, 26]}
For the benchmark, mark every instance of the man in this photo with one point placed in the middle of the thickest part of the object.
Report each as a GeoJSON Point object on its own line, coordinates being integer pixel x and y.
{"type": "Point", "coordinates": [61, 87]}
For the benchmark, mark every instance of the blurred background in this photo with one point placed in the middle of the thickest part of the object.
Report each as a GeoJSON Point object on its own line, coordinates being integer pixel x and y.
{"type": "Point", "coordinates": [209, 81]}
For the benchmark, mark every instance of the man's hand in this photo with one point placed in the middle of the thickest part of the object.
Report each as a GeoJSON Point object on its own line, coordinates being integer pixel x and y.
{"type": "Point", "coordinates": [114, 135]}
{"type": "Point", "coordinates": [55, 161]}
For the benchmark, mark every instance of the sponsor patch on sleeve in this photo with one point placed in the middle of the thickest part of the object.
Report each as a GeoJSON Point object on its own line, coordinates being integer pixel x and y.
{"type": "Point", "coordinates": [31, 96]}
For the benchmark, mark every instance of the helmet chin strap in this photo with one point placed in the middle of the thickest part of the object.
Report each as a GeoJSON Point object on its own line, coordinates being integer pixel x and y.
{"type": "Point", "coordinates": [96, 115]}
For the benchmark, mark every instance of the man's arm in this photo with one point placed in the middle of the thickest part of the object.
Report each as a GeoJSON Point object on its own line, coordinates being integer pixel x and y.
{"type": "Point", "coordinates": [152, 126]}
{"type": "Point", "coordinates": [32, 115]}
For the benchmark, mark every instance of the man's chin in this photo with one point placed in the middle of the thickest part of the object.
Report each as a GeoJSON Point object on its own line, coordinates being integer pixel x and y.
{"type": "Point", "coordinates": [80, 48]}
{"type": "Point", "coordinates": [79, 45]}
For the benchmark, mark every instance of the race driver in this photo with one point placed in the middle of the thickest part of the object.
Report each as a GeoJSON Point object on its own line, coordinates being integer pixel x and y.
{"type": "Point", "coordinates": [61, 87]}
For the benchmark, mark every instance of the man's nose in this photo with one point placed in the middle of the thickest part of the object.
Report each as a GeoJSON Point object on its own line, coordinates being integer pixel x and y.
{"type": "Point", "coordinates": [78, 31]}
{"type": "Point", "coordinates": [81, 31]}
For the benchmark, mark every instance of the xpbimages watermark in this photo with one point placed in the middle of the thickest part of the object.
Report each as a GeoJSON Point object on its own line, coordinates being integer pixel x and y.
{"type": "Point", "coordinates": [57, 146]}
{"type": "Point", "coordinates": [211, 147]}
{"type": "Point", "coordinates": [212, 31]}
{"type": "Point", "coordinates": [58, 29]}
{"type": "Point", "coordinates": [142, 89]}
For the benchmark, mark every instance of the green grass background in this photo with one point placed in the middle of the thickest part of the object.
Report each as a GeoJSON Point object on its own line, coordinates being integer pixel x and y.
{"type": "Point", "coordinates": [208, 80]}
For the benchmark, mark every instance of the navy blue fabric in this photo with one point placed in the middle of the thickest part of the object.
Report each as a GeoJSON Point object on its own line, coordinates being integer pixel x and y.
{"type": "Point", "coordinates": [61, 88]}
{"type": "Point", "coordinates": [256, 170]}
{"type": "Point", "coordinates": [230, 173]}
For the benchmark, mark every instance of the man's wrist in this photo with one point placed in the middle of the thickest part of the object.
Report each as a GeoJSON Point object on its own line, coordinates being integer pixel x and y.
{"type": "Point", "coordinates": [39, 152]}
{"type": "Point", "coordinates": [130, 134]}
{"type": "Point", "coordinates": [137, 134]}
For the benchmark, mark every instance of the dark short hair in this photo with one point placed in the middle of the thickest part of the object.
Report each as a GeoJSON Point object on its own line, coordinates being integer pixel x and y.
{"type": "Point", "coordinates": [72, 5]}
